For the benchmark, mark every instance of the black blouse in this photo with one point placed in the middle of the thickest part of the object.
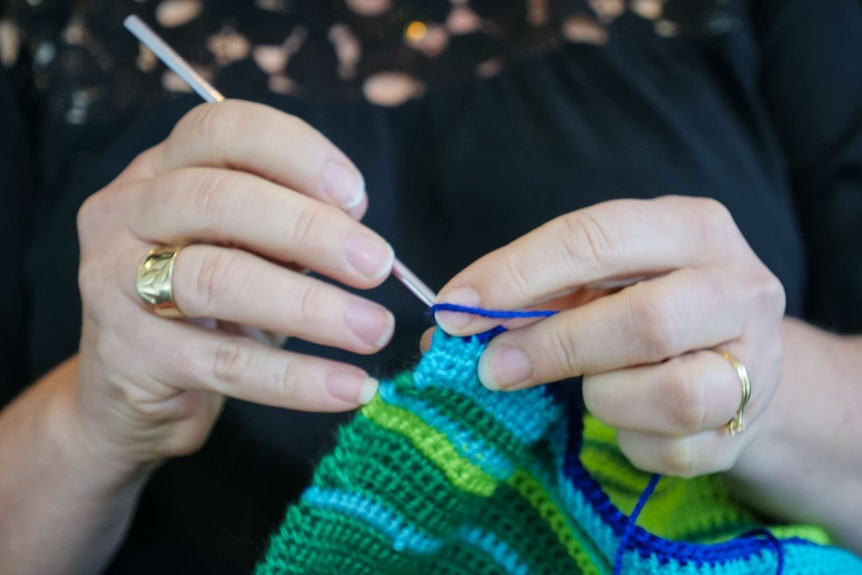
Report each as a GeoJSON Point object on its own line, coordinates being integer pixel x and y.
{"type": "Point", "coordinates": [473, 121]}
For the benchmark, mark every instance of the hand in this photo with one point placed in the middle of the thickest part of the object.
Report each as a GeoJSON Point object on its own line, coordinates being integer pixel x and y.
{"type": "Point", "coordinates": [647, 352]}
{"type": "Point", "coordinates": [255, 195]}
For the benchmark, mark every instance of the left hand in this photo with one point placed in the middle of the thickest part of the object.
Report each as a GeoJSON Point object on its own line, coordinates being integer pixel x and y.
{"type": "Point", "coordinates": [647, 352]}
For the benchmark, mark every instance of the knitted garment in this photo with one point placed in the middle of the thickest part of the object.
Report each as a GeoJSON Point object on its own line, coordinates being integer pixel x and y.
{"type": "Point", "coordinates": [440, 476]}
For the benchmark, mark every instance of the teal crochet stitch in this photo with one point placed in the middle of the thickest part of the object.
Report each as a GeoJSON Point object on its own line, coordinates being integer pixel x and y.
{"type": "Point", "coordinates": [440, 476]}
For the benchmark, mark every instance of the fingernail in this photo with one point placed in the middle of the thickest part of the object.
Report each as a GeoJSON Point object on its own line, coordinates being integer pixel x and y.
{"type": "Point", "coordinates": [504, 367]}
{"type": "Point", "coordinates": [369, 256]}
{"type": "Point", "coordinates": [451, 320]}
{"type": "Point", "coordinates": [371, 323]}
{"type": "Point", "coordinates": [343, 185]}
{"type": "Point", "coordinates": [351, 387]}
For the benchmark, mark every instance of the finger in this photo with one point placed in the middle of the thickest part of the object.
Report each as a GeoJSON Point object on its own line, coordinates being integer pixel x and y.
{"type": "Point", "coordinates": [568, 301]}
{"type": "Point", "coordinates": [264, 141]}
{"type": "Point", "coordinates": [612, 240]}
{"type": "Point", "coordinates": [643, 324]}
{"type": "Point", "coordinates": [233, 285]}
{"type": "Point", "coordinates": [425, 340]}
{"type": "Point", "coordinates": [704, 453]}
{"type": "Point", "coordinates": [243, 210]}
{"type": "Point", "coordinates": [269, 338]}
{"type": "Point", "coordinates": [183, 356]}
{"type": "Point", "coordinates": [691, 393]}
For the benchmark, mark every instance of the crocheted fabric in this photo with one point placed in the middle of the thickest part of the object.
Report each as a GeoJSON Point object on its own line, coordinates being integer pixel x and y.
{"type": "Point", "coordinates": [440, 476]}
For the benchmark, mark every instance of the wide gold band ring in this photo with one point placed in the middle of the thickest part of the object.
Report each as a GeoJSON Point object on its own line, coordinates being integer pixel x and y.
{"type": "Point", "coordinates": [736, 425]}
{"type": "Point", "coordinates": [154, 281]}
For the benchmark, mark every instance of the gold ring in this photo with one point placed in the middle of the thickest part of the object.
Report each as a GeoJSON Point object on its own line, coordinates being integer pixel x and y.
{"type": "Point", "coordinates": [154, 281]}
{"type": "Point", "coordinates": [736, 424]}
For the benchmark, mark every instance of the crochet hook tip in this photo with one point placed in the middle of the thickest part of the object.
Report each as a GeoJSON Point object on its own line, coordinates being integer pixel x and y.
{"type": "Point", "coordinates": [412, 282]}
{"type": "Point", "coordinates": [207, 91]}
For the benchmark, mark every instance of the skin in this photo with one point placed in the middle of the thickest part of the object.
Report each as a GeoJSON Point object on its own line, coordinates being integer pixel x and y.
{"type": "Point", "coordinates": [82, 441]}
{"type": "Point", "coordinates": [78, 446]}
{"type": "Point", "coordinates": [648, 352]}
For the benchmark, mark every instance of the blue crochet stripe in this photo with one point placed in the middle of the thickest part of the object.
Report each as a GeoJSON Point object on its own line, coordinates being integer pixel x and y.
{"type": "Point", "coordinates": [478, 452]}
{"type": "Point", "coordinates": [497, 549]}
{"type": "Point", "coordinates": [647, 553]}
{"type": "Point", "coordinates": [548, 479]}
{"type": "Point", "coordinates": [405, 537]}
{"type": "Point", "coordinates": [631, 524]}
{"type": "Point", "coordinates": [528, 425]}
{"type": "Point", "coordinates": [639, 552]}
{"type": "Point", "coordinates": [367, 510]}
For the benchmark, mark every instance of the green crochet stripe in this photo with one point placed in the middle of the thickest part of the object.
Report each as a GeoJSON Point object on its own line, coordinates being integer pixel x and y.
{"type": "Point", "coordinates": [514, 520]}
{"type": "Point", "coordinates": [413, 487]}
{"type": "Point", "coordinates": [463, 410]}
{"type": "Point", "coordinates": [699, 510]}
{"type": "Point", "coordinates": [434, 445]}
{"type": "Point", "coordinates": [462, 559]}
{"type": "Point", "coordinates": [396, 471]}
{"type": "Point", "coordinates": [333, 550]}
{"type": "Point", "coordinates": [583, 553]}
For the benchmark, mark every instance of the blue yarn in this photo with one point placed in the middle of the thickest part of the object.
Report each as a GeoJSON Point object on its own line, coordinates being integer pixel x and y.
{"type": "Point", "coordinates": [627, 526]}
{"type": "Point", "coordinates": [487, 336]}
{"type": "Point", "coordinates": [490, 313]}
{"type": "Point", "coordinates": [633, 519]}
{"type": "Point", "coordinates": [776, 543]}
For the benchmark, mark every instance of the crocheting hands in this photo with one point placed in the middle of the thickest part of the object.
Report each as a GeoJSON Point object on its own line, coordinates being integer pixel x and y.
{"type": "Point", "coordinates": [644, 350]}
{"type": "Point", "coordinates": [258, 195]}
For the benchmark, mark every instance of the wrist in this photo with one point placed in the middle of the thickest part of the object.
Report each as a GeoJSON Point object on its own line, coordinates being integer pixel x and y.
{"type": "Point", "coordinates": [804, 438]}
{"type": "Point", "coordinates": [86, 440]}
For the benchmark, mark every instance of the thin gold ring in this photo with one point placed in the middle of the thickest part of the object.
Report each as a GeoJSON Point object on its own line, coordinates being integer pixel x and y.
{"type": "Point", "coordinates": [154, 281]}
{"type": "Point", "coordinates": [736, 425]}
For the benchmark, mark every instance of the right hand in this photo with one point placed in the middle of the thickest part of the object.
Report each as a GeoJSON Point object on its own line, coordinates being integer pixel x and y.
{"type": "Point", "coordinates": [255, 195]}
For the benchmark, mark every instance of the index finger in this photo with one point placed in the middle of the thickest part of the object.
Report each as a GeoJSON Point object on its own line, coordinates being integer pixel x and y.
{"type": "Point", "coordinates": [617, 239]}
{"type": "Point", "coordinates": [266, 142]}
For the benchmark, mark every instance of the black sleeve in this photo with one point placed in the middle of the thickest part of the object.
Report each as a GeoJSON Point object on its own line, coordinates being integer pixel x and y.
{"type": "Point", "coordinates": [15, 215]}
{"type": "Point", "coordinates": [812, 85]}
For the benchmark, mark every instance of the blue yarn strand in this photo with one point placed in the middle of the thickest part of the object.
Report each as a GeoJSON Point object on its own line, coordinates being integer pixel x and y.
{"type": "Point", "coordinates": [632, 522]}
{"type": "Point", "coordinates": [776, 544]}
{"type": "Point", "coordinates": [490, 313]}
{"type": "Point", "coordinates": [487, 336]}
{"type": "Point", "coordinates": [648, 491]}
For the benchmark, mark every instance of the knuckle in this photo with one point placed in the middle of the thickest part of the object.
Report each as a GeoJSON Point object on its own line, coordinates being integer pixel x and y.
{"type": "Point", "coordinates": [677, 458]}
{"type": "Point", "coordinates": [308, 223]}
{"type": "Point", "coordinates": [519, 276]}
{"type": "Point", "coordinates": [212, 122]}
{"type": "Point", "coordinates": [91, 283]}
{"type": "Point", "coordinates": [94, 214]}
{"type": "Point", "coordinates": [232, 362]}
{"type": "Point", "coordinates": [713, 212]}
{"type": "Point", "coordinates": [213, 278]}
{"type": "Point", "coordinates": [654, 320]}
{"type": "Point", "coordinates": [309, 306]}
{"type": "Point", "coordinates": [769, 295]}
{"type": "Point", "coordinates": [685, 406]}
{"type": "Point", "coordinates": [288, 384]}
{"type": "Point", "coordinates": [216, 198]}
{"type": "Point", "coordinates": [586, 240]}
{"type": "Point", "coordinates": [564, 351]}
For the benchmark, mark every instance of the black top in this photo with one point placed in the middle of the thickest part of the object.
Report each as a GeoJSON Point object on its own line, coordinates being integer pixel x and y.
{"type": "Point", "coordinates": [473, 123]}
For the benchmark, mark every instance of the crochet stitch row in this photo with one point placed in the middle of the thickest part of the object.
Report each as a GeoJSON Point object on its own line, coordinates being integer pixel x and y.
{"type": "Point", "coordinates": [439, 475]}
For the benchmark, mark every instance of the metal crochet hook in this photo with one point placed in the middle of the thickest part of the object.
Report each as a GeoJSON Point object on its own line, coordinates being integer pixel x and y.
{"type": "Point", "coordinates": [205, 90]}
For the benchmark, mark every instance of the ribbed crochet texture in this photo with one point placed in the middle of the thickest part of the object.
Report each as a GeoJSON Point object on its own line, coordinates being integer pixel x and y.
{"type": "Point", "coordinates": [440, 476]}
